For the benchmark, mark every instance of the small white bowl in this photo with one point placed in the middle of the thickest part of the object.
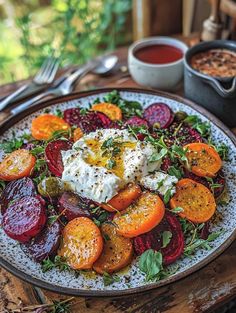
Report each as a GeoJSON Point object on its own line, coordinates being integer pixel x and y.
{"type": "Point", "coordinates": [162, 76]}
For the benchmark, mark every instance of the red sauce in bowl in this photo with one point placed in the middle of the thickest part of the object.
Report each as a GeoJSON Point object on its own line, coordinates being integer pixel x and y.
{"type": "Point", "coordinates": [159, 54]}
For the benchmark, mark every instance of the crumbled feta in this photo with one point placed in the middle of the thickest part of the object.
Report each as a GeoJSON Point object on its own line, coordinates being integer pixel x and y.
{"type": "Point", "coordinates": [160, 182]}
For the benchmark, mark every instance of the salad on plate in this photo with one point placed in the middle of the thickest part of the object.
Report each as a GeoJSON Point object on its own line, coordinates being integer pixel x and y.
{"type": "Point", "coordinates": [95, 189]}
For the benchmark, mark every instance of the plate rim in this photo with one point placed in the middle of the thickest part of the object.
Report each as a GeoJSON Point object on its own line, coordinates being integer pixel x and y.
{"type": "Point", "coordinates": [141, 289]}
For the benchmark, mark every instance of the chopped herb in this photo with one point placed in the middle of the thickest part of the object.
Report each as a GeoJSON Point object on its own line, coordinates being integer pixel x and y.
{"type": "Point", "coordinates": [180, 152]}
{"type": "Point", "coordinates": [52, 219]}
{"type": "Point", "coordinates": [58, 262]}
{"type": "Point", "coordinates": [108, 143]}
{"type": "Point", "coordinates": [173, 171]}
{"type": "Point", "coordinates": [2, 185]}
{"type": "Point", "coordinates": [214, 235]}
{"type": "Point", "coordinates": [160, 183]}
{"type": "Point", "coordinates": [150, 263]}
{"type": "Point", "coordinates": [106, 237]}
{"type": "Point", "coordinates": [100, 216]}
{"type": "Point", "coordinates": [110, 164]}
{"type": "Point", "coordinates": [83, 111]}
{"type": "Point", "coordinates": [167, 196]}
{"type": "Point", "coordinates": [110, 279]}
{"type": "Point", "coordinates": [59, 113]}
{"type": "Point", "coordinates": [166, 238]}
{"type": "Point", "coordinates": [177, 210]}
{"type": "Point", "coordinates": [37, 150]}
{"type": "Point", "coordinates": [223, 151]}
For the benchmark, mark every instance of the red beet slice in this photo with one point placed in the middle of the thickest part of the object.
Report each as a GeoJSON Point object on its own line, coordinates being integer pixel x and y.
{"type": "Point", "coordinates": [205, 232]}
{"type": "Point", "coordinates": [89, 121]}
{"type": "Point", "coordinates": [72, 116]}
{"type": "Point", "coordinates": [153, 239]}
{"type": "Point", "coordinates": [15, 190]}
{"type": "Point", "coordinates": [159, 113]}
{"type": "Point", "coordinates": [219, 179]}
{"type": "Point", "coordinates": [25, 218]}
{"type": "Point", "coordinates": [73, 206]}
{"type": "Point", "coordinates": [45, 244]}
{"type": "Point", "coordinates": [53, 155]}
{"type": "Point", "coordinates": [136, 121]}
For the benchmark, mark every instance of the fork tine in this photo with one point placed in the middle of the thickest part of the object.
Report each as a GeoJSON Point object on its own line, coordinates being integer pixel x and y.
{"type": "Point", "coordinates": [47, 69]}
{"type": "Point", "coordinates": [53, 71]}
{"type": "Point", "coordinates": [41, 71]}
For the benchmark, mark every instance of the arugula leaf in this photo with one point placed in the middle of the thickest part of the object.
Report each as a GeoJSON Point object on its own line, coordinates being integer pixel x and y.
{"type": "Point", "coordinates": [166, 238]}
{"type": "Point", "coordinates": [158, 155]}
{"type": "Point", "coordinates": [37, 150]}
{"type": "Point", "coordinates": [110, 279]}
{"type": "Point", "coordinates": [2, 185]}
{"type": "Point", "coordinates": [177, 172]}
{"type": "Point", "coordinates": [180, 152]}
{"type": "Point", "coordinates": [11, 145]}
{"type": "Point", "coordinates": [199, 243]}
{"type": "Point", "coordinates": [150, 263]}
{"type": "Point", "coordinates": [202, 127]}
{"type": "Point", "coordinates": [214, 235]}
{"type": "Point", "coordinates": [167, 195]}
{"type": "Point", "coordinates": [52, 219]}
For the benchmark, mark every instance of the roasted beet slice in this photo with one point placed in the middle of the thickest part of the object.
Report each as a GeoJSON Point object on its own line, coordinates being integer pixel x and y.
{"type": "Point", "coordinates": [73, 205]}
{"type": "Point", "coordinates": [72, 116]}
{"type": "Point", "coordinates": [205, 232]}
{"type": "Point", "coordinates": [15, 190]}
{"type": "Point", "coordinates": [25, 218]}
{"type": "Point", "coordinates": [159, 113]}
{"type": "Point", "coordinates": [153, 239]}
{"type": "Point", "coordinates": [53, 155]}
{"type": "Point", "coordinates": [219, 179]}
{"type": "Point", "coordinates": [89, 121]}
{"type": "Point", "coordinates": [45, 244]}
{"type": "Point", "coordinates": [136, 121]}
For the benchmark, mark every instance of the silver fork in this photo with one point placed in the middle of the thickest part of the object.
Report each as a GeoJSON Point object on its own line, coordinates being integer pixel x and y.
{"type": "Point", "coordinates": [45, 75]}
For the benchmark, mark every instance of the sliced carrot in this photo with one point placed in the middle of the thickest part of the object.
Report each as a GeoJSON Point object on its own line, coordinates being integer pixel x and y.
{"type": "Point", "coordinates": [82, 243]}
{"type": "Point", "coordinates": [77, 134]}
{"type": "Point", "coordinates": [45, 125]}
{"type": "Point", "coordinates": [117, 252]}
{"type": "Point", "coordinates": [196, 200]}
{"type": "Point", "coordinates": [19, 163]}
{"type": "Point", "coordinates": [203, 159]}
{"type": "Point", "coordinates": [111, 110]}
{"type": "Point", "coordinates": [123, 199]}
{"type": "Point", "coordinates": [141, 216]}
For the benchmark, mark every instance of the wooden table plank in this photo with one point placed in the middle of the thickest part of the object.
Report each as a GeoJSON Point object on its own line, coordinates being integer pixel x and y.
{"type": "Point", "coordinates": [202, 291]}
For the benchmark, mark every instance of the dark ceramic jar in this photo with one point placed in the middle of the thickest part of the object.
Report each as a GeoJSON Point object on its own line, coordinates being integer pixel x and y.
{"type": "Point", "coordinates": [218, 95]}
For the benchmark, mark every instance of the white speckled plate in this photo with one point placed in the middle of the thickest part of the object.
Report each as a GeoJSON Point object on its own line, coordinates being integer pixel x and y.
{"type": "Point", "coordinates": [13, 258]}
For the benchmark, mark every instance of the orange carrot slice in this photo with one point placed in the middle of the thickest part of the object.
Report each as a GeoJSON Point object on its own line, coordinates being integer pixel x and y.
{"type": "Point", "coordinates": [141, 216]}
{"type": "Point", "coordinates": [82, 243]}
{"type": "Point", "coordinates": [196, 200]}
{"type": "Point", "coordinates": [117, 252]}
{"type": "Point", "coordinates": [203, 159]}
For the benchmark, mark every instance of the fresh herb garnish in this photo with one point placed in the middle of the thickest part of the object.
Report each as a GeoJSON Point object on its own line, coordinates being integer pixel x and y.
{"type": "Point", "coordinates": [202, 127]}
{"type": "Point", "coordinates": [111, 164]}
{"type": "Point", "coordinates": [128, 108]}
{"type": "Point", "coordinates": [151, 263]}
{"type": "Point", "coordinates": [58, 262]}
{"type": "Point", "coordinates": [166, 238]}
{"type": "Point", "coordinates": [100, 216]}
{"type": "Point", "coordinates": [158, 155]}
{"type": "Point", "coordinates": [110, 279]}
{"type": "Point", "coordinates": [2, 185]}
{"type": "Point", "coordinates": [174, 171]}
{"type": "Point", "coordinates": [59, 113]}
{"type": "Point", "coordinates": [177, 210]}
{"type": "Point", "coordinates": [223, 151]}
{"type": "Point", "coordinates": [167, 195]}
{"type": "Point", "coordinates": [11, 145]}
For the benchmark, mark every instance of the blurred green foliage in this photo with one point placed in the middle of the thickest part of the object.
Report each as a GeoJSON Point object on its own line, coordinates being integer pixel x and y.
{"type": "Point", "coordinates": [75, 30]}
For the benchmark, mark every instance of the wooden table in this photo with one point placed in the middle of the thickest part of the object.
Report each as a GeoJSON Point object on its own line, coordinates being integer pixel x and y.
{"type": "Point", "coordinates": [203, 291]}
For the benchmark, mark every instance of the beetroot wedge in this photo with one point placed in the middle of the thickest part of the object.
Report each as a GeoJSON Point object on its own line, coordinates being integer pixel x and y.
{"type": "Point", "coordinates": [159, 113]}
{"type": "Point", "coordinates": [53, 155]}
{"type": "Point", "coordinates": [25, 218]}
{"type": "Point", "coordinates": [153, 239]}
{"type": "Point", "coordinates": [45, 244]}
{"type": "Point", "coordinates": [72, 206]}
{"type": "Point", "coordinates": [15, 190]}
{"type": "Point", "coordinates": [72, 116]}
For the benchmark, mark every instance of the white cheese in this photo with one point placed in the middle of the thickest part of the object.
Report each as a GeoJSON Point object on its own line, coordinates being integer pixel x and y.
{"type": "Point", "coordinates": [160, 182]}
{"type": "Point", "coordinates": [97, 182]}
